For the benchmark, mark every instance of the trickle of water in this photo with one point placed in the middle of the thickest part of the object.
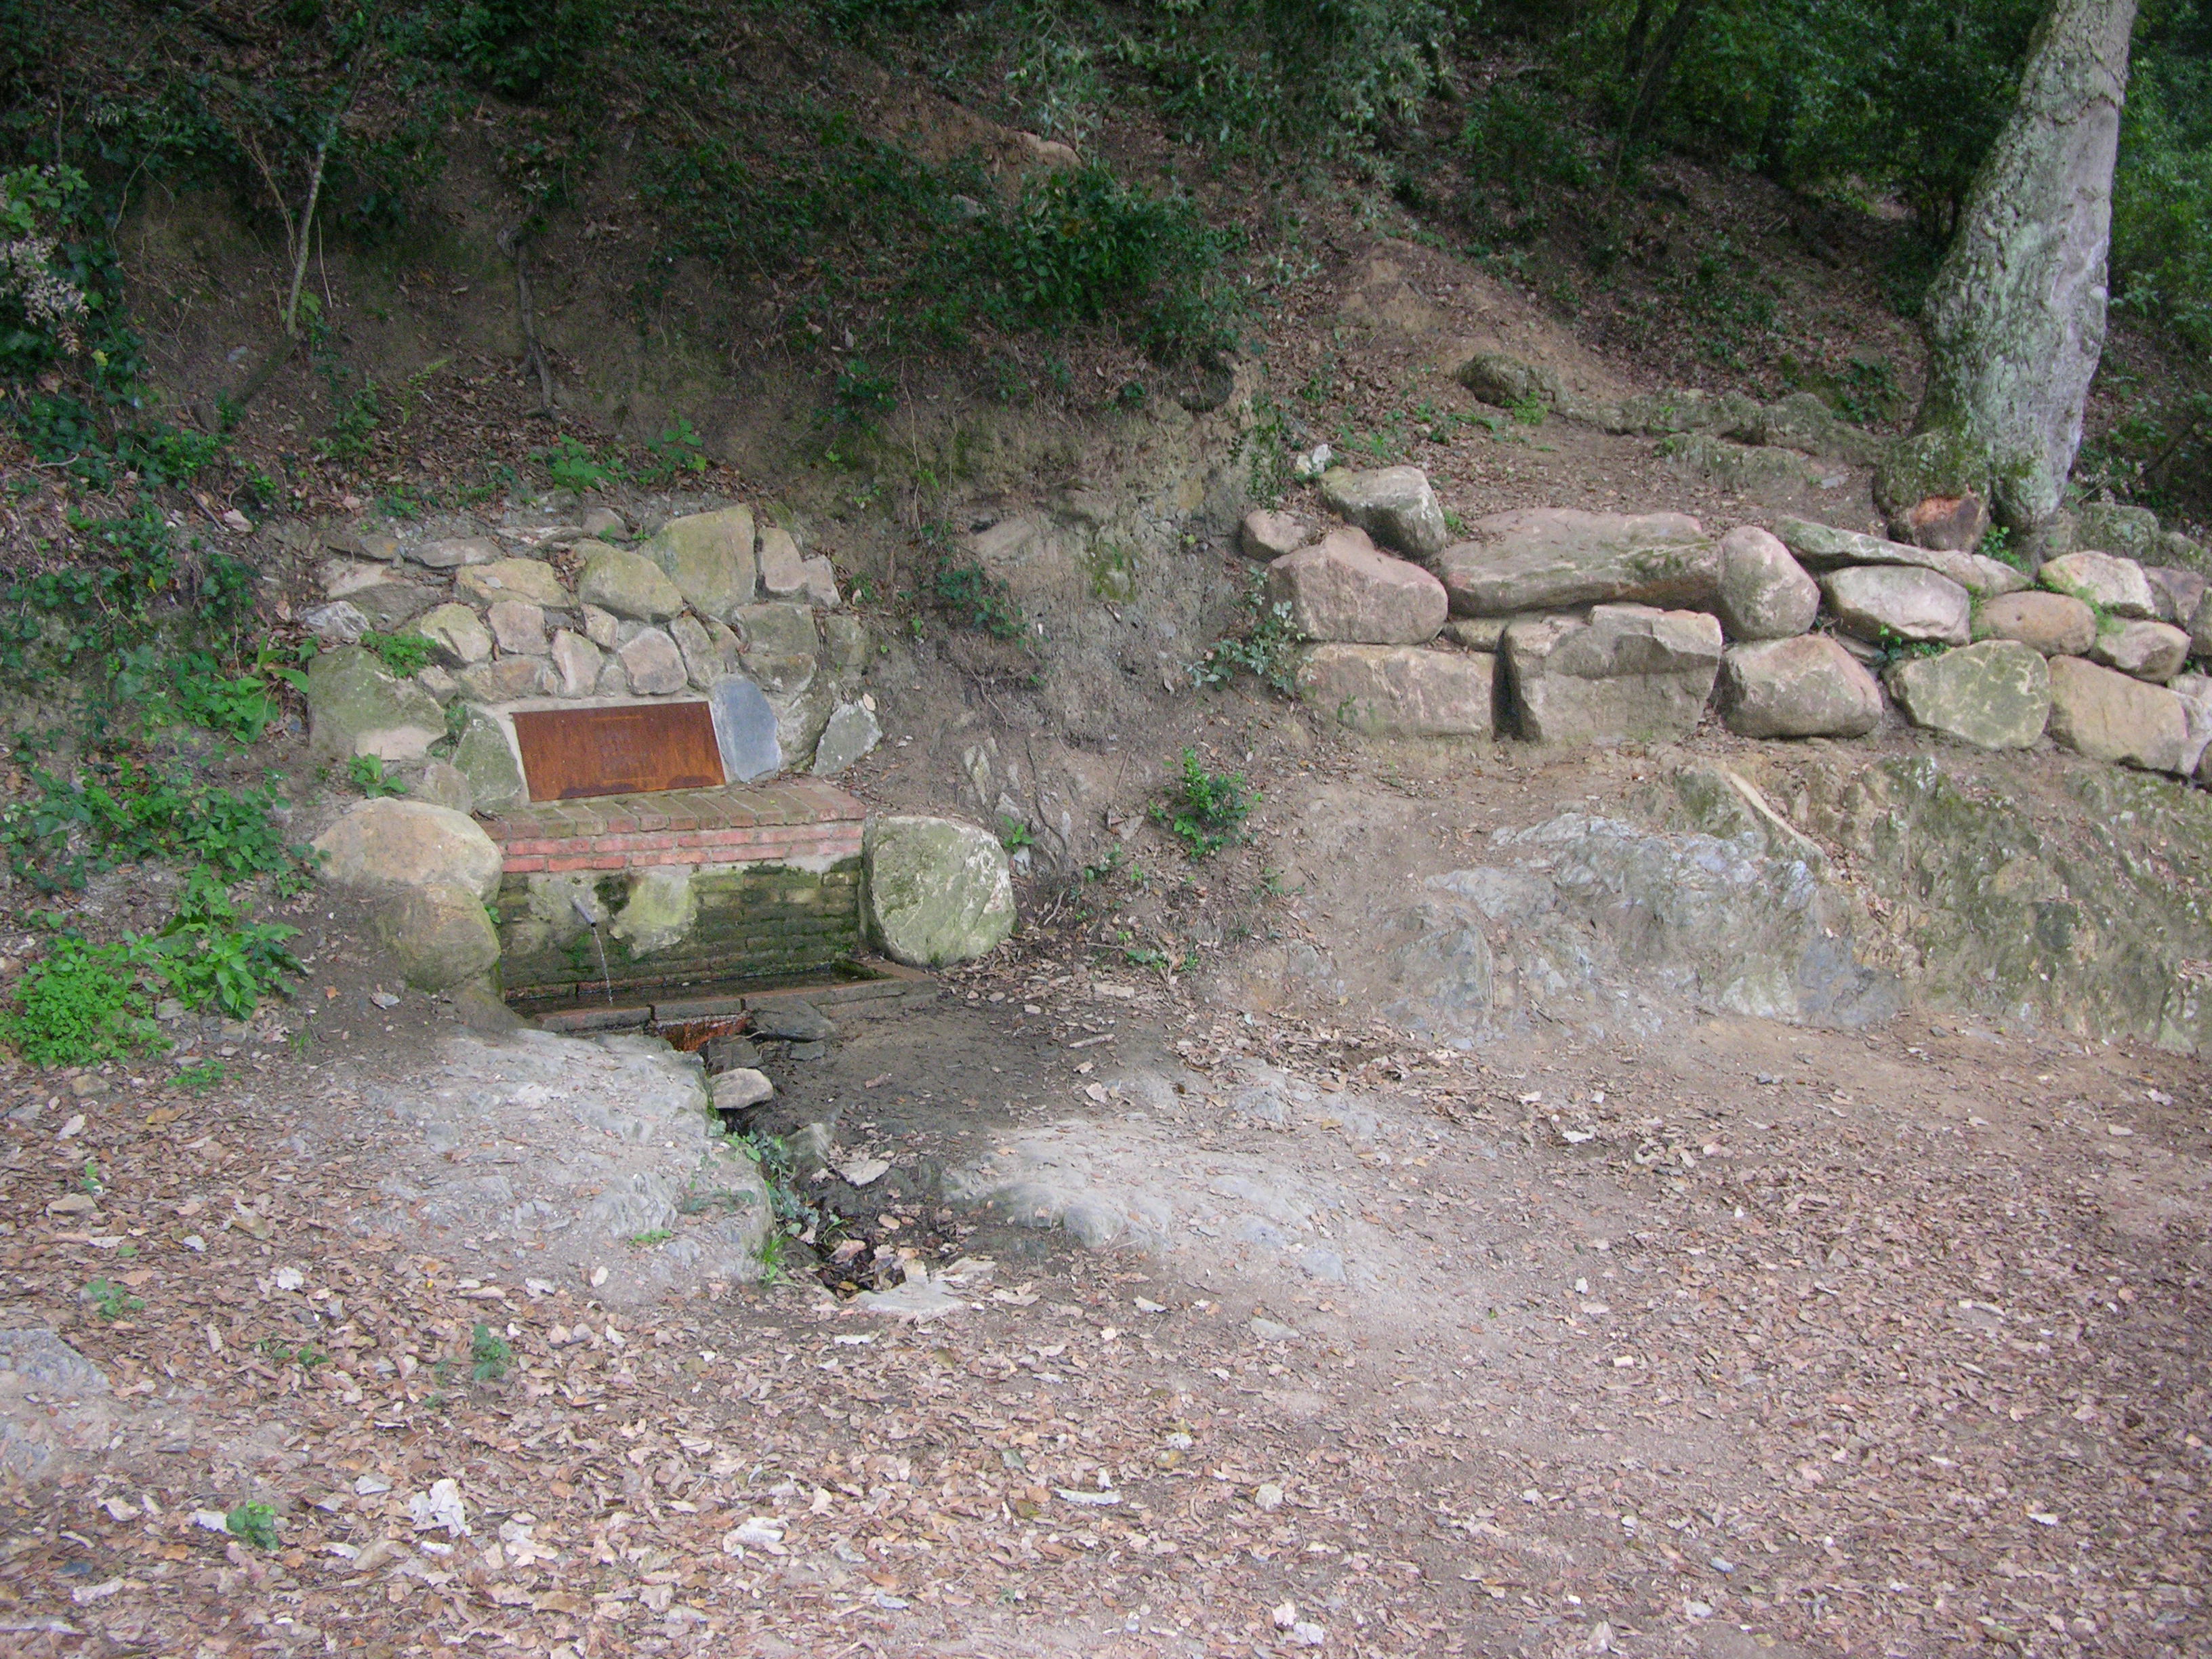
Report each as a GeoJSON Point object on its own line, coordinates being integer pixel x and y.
{"type": "Point", "coordinates": [584, 911]}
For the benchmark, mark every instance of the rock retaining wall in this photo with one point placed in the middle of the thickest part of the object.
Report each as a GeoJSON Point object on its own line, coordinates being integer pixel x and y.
{"type": "Point", "coordinates": [1597, 628]}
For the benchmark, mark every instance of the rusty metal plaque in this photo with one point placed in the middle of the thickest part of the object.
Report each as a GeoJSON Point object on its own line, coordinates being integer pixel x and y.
{"type": "Point", "coordinates": [634, 750]}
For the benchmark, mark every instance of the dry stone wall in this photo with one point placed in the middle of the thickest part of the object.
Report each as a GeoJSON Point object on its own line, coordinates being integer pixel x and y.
{"type": "Point", "coordinates": [1583, 627]}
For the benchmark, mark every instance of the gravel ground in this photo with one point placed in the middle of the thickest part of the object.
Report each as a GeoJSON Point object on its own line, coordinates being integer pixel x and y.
{"type": "Point", "coordinates": [1746, 1340]}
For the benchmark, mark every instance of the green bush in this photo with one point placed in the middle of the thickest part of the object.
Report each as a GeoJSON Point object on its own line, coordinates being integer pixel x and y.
{"type": "Point", "coordinates": [518, 47]}
{"type": "Point", "coordinates": [1086, 248]}
{"type": "Point", "coordinates": [1205, 810]}
{"type": "Point", "coordinates": [70, 829]}
{"type": "Point", "coordinates": [207, 955]}
{"type": "Point", "coordinates": [81, 1003]}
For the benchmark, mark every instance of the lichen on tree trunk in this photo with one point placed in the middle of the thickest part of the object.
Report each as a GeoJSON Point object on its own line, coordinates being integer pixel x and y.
{"type": "Point", "coordinates": [2016, 314]}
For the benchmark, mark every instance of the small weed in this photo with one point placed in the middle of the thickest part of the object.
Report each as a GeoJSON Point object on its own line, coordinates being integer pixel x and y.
{"type": "Point", "coordinates": [112, 1301]}
{"type": "Point", "coordinates": [304, 1355]}
{"type": "Point", "coordinates": [490, 1357]}
{"type": "Point", "coordinates": [975, 598]}
{"type": "Point", "coordinates": [1014, 834]}
{"type": "Point", "coordinates": [1265, 646]}
{"type": "Point", "coordinates": [1205, 810]}
{"type": "Point", "coordinates": [775, 1244]}
{"type": "Point", "coordinates": [252, 1523]}
{"type": "Point", "coordinates": [367, 774]}
{"type": "Point", "coordinates": [1530, 410]}
{"type": "Point", "coordinates": [352, 426]}
{"type": "Point", "coordinates": [203, 1076]}
{"type": "Point", "coordinates": [573, 465]}
{"type": "Point", "coordinates": [403, 654]}
{"type": "Point", "coordinates": [89, 1180]}
{"type": "Point", "coordinates": [1997, 543]}
{"type": "Point", "coordinates": [651, 1236]}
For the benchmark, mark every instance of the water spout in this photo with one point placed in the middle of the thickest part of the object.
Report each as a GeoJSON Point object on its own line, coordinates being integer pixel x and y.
{"type": "Point", "coordinates": [584, 911]}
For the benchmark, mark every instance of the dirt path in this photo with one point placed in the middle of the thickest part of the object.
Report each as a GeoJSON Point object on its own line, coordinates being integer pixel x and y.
{"type": "Point", "coordinates": [1753, 1341]}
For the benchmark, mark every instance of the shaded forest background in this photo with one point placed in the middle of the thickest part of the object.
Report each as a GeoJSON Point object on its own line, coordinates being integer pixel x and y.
{"type": "Point", "coordinates": [1548, 141]}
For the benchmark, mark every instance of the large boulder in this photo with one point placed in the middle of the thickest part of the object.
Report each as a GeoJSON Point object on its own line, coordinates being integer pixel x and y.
{"type": "Point", "coordinates": [2115, 585]}
{"type": "Point", "coordinates": [1630, 671]}
{"type": "Point", "coordinates": [1393, 504]}
{"type": "Point", "coordinates": [1995, 694]}
{"type": "Point", "coordinates": [1342, 589]}
{"type": "Point", "coordinates": [1764, 594]}
{"type": "Point", "coordinates": [937, 891]}
{"type": "Point", "coordinates": [1267, 536]}
{"type": "Point", "coordinates": [487, 761]}
{"type": "Point", "coordinates": [1934, 488]}
{"type": "Point", "coordinates": [386, 846]}
{"type": "Point", "coordinates": [2056, 624]}
{"type": "Point", "coordinates": [1401, 691]}
{"type": "Point", "coordinates": [2177, 591]}
{"type": "Point", "coordinates": [1740, 469]}
{"type": "Point", "coordinates": [1549, 558]}
{"type": "Point", "coordinates": [356, 706]}
{"type": "Point", "coordinates": [531, 581]}
{"type": "Point", "coordinates": [1804, 687]}
{"type": "Point", "coordinates": [439, 935]}
{"type": "Point", "coordinates": [2150, 651]}
{"type": "Point", "coordinates": [1509, 383]}
{"type": "Point", "coordinates": [709, 557]}
{"type": "Point", "coordinates": [1824, 547]}
{"type": "Point", "coordinates": [1803, 422]}
{"type": "Point", "coordinates": [2195, 692]}
{"type": "Point", "coordinates": [1879, 602]}
{"type": "Point", "coordinates": [627, 584]}
{"type": "Point", "coordinates": [2111, 717]}
{"type": "Point", "coordinates": [456, 634]}
{"type": "Point", "coordinates": [2200, 630]}
{"type": "Point", "coordinates": [2132, 532]}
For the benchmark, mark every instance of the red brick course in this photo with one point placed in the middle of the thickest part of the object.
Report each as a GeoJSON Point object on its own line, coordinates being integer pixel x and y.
{"type": "Point", "coordinates": [800, 818]}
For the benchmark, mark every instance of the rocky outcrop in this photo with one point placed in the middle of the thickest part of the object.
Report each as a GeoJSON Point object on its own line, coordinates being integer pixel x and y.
{"type": "Point", "coordinates": [936, 891]}
{"type": "Point", "coordinates": [1630, 671]}
{"type": "Point", "coordinates": [1400, 691]}
{"type": "Point", "coordinates": [1550, 558]}
{"type": "Point", "coordinates": [1806, 687]}
{"type": "Point", "coordinates": [1995, 694]}
{"type": "Point", "coordinates": [2111, 717]}
{"type": "Point", "coordinates": [1342, 589]}
{"type": "Point", "coordinates": [1764, 594]}
{"type": "Point", "coordinates": [1393, 504]}
{"type": "Point", "coordinates": [1880, 603]}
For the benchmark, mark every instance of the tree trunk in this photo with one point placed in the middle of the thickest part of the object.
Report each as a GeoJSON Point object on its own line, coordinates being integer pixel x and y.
{"type": "Point", "coordinates": [2017, 314]}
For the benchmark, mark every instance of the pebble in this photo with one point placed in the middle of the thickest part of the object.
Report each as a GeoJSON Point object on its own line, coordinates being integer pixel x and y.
{"type": "Point", "coordinates": [1269, 1330]}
